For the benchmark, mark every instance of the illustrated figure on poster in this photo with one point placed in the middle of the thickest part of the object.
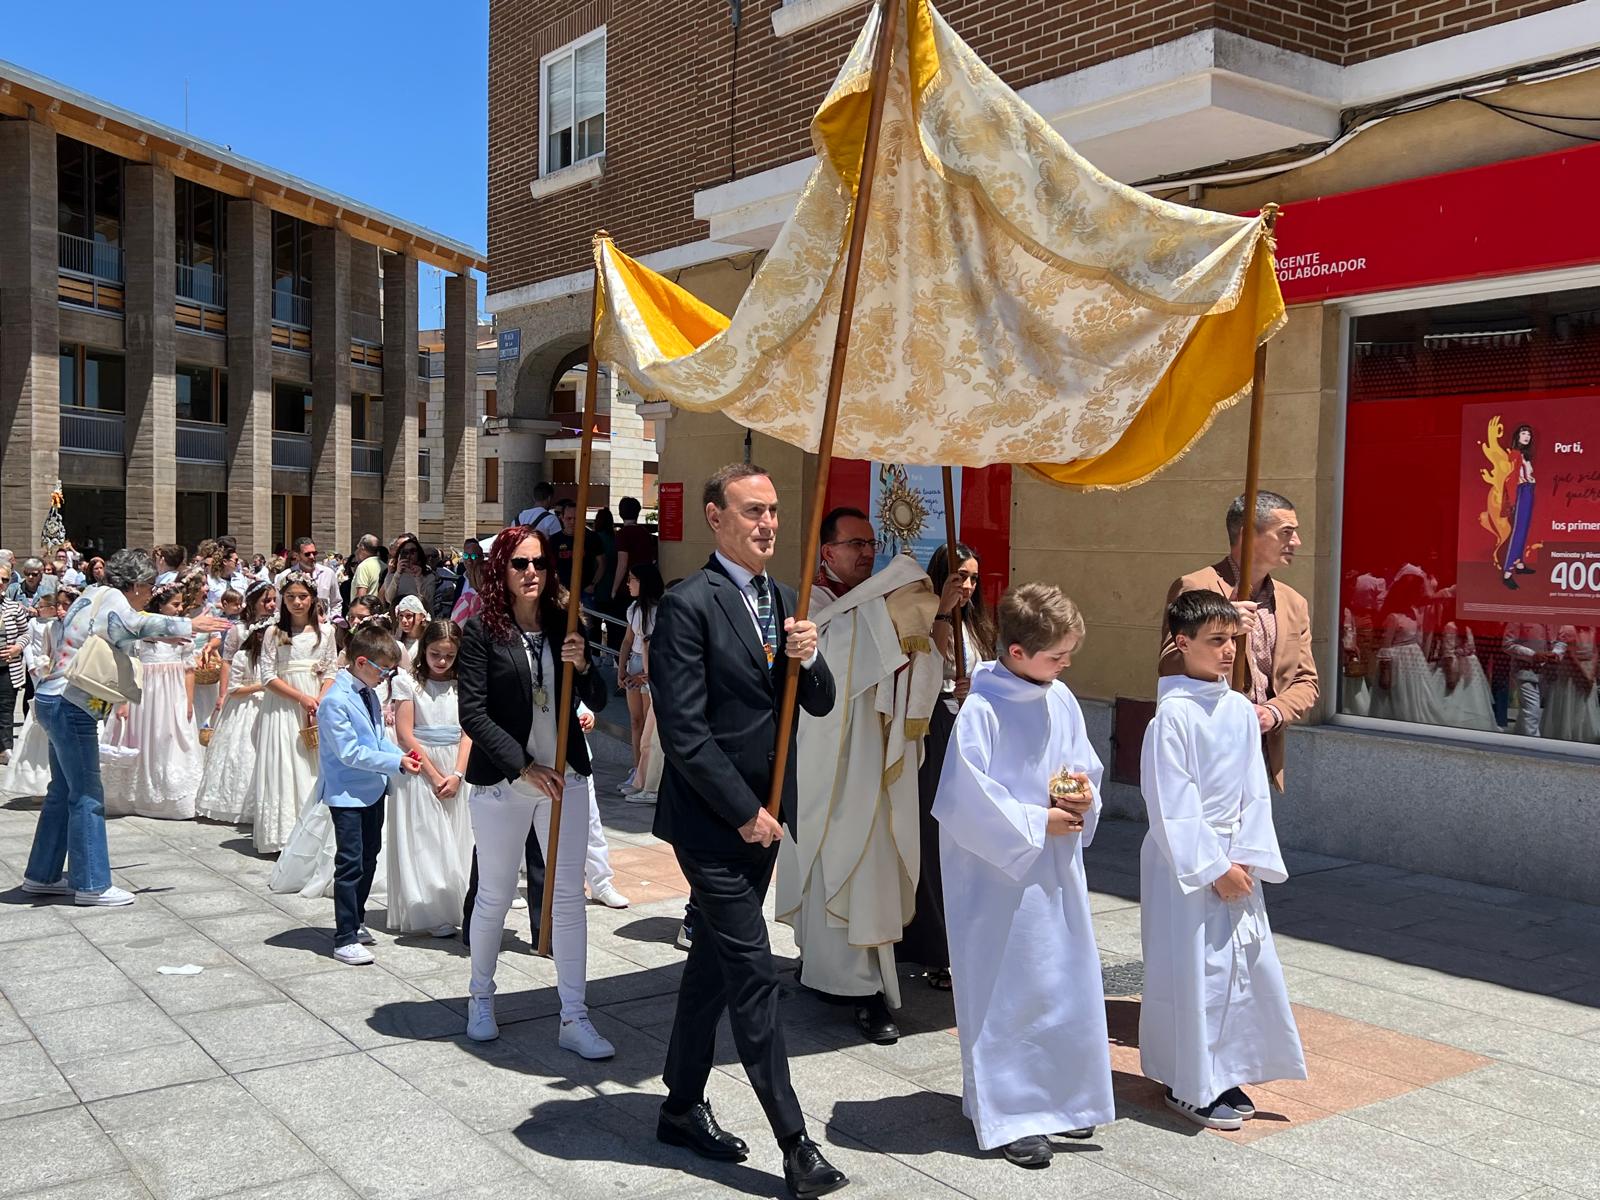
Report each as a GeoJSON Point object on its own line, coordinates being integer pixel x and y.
{"type": "Point", "coordinates": [1521, 457]}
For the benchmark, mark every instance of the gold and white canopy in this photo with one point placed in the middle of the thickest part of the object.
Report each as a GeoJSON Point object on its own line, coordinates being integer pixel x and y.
{"type": "Point", "coordinates": [1014, 304]}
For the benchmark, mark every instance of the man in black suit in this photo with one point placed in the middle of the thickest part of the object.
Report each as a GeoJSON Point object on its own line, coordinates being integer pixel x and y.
{"type": "Point", "coordinates": [716, 669]}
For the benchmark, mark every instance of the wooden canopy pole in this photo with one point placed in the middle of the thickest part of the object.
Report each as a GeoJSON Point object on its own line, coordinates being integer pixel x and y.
{"type": "Point", "coordinates": [1252, 488]}
{"type": "Point", "coordinates": [952, 565]}
{"type": "Point", "coordinates": [889, 13]}
{"type": "Point", "coordinates": [574, 608]}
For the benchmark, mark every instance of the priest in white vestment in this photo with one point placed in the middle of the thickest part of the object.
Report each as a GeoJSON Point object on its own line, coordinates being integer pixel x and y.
{"type": "Point", "coordinates": [1030, 1001]}
{"type": "Point", "coordinates": [1215, 1013]}
{"type": "Point", "coordinates": [847, 878]}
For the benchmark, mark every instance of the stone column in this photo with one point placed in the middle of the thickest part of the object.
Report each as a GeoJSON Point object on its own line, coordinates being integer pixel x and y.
{"type": "Point", "coordinates": [402, 391]}
{"type": "Point", "coordinates": [249, 284]}
{"type": "Point", "coordinates": [330, 390]}
{"type": "Point", "coordinates": [30, 334]}
{"type": "Point", "coordinates": [460, 409]}
{"type": "Point", "coordinates": [150, 431]}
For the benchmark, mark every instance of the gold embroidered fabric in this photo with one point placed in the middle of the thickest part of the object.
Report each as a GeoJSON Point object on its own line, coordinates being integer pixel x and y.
{"type": "Point", "coordinates": [1014, 305]}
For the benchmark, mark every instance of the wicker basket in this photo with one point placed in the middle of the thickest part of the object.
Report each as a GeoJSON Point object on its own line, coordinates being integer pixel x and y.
{"type": "Point", "coordinates": [308, 737]}
{"type": "Point", "coordinates": [208, 672]}
{"type": "Point", "coordinates": [205, 735]}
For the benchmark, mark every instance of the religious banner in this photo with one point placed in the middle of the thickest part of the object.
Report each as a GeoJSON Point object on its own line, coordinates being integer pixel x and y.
{"type": "Point", "coordinates": [906, 505]}
{"type": "Point", "coordinates": [1529, 512]}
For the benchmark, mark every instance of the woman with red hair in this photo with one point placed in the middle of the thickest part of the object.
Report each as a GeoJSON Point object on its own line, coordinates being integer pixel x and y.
{"type": "Point", "coordinates": [509, 682]}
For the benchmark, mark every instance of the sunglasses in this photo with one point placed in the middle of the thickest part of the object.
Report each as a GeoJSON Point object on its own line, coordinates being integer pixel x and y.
{"type": "Point", "coordinates": [522, 564]}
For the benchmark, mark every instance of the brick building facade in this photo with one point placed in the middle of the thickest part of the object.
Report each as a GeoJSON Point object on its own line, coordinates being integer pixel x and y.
{"type": "Point", "coordinates": [192, 343]}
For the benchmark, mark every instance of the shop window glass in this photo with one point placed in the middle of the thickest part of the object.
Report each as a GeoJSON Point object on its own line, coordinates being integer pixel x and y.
{"type": "Point", "coordinates": [1470, 550]}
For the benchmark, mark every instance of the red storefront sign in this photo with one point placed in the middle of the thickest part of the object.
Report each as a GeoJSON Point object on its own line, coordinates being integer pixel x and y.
{"type": "Point", "coordinates": [669, 512]}
{"type": "Point", "coordinates": [1507, 218]}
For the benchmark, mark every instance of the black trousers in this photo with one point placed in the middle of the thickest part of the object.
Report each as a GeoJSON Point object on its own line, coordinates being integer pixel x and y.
{"type": "Point", "coordinates": [8, 706]}
{"type": "Point", "coordinates": [357, 839]}
{"type": "Point", "coordinates": [730, 967]}
{"type": "Point", "coordinates": [535, 862]}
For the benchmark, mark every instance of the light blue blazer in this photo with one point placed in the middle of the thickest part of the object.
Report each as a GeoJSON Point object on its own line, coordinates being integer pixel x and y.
{"type": "Point", "coordinates": [354, 760]}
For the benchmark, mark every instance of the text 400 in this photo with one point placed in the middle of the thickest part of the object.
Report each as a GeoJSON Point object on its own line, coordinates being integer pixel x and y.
{"type": "Point", "coordinates": [1571, 576]}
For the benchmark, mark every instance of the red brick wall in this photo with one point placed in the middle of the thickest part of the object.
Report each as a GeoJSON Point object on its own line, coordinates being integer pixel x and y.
{"type": "Point", "coordinates": [668, 63]}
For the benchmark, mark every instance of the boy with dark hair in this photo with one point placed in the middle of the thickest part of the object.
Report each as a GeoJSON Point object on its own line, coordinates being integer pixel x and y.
{"type": "Point", "coordinates": [1215, 1013]}
{"type": "Point", "coordinates": [1018, 800]}
{"type": "Point", "coordinates": [356, 764]}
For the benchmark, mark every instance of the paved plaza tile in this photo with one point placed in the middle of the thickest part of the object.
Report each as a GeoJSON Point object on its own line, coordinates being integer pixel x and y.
{"type": "Point", "coordinates": [1452, 1035]}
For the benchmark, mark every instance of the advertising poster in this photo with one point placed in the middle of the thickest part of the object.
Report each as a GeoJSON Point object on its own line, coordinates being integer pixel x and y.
{"type": "Point", "coordinates": [906, 506]}
{"type": "Point", "coordinates": [1529, 510]}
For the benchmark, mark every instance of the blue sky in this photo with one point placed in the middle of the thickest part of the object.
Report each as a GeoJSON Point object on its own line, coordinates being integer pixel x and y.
{"type": "Point", "coordinates": [383, 100]}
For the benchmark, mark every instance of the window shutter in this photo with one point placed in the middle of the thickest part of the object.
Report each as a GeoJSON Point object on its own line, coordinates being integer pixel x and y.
{"type": "Point", "coordinates": [591, 75]}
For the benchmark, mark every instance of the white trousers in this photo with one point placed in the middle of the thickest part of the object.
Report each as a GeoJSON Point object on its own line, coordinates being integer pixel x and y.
{"type": "Point", "coordinates": [501, 816]}
{"type": "Point", "coordinates": [597, 863]}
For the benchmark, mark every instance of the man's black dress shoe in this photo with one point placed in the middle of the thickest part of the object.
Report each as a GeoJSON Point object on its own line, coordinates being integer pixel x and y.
{"type": "Point", "coordinates": [875, 1023]}
{"type": "Point", "coordinates": [807, 1173]}
{"type": "Point", "coordinates": [698, 1130]}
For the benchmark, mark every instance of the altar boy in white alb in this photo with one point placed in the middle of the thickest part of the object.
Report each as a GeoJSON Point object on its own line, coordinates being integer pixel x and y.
{"type": "Point", "coordinates": [1215, 1013]}
{"type": "Point", "coordinates": [1018, 800]}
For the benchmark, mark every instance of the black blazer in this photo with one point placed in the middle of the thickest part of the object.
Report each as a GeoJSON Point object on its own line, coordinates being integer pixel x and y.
{"type": "Point", "coordinates": [495, 694]}
{"type": "Point", "coordinates": [716, 706]}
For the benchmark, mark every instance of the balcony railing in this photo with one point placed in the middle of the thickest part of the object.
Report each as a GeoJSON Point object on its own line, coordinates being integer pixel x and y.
{"type": "Point", "coordinates": [291, 308]}
{"type": "Point", "coordinates": [203, 284]}
{"type": "Point", "coordinates": [366, 458]}
{"type": "Point", "coordinates": [90, 258]}
{"type": "Point", "coordinates": [202, 442]}
{"type": "Point", "coordinates": [90, 431]}
{"type": "Point", "coordinates": [291, 451]}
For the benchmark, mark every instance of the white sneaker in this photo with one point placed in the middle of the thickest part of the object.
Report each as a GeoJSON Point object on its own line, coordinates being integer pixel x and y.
{"type": "Point", "coordinates": [480, 1019]}
{"type": "Point", "coordinates": [445, 930]}
{"type": "Point", "coordinates": [112, 897]}
{"type": "Point", "coordinates": [608, 895]}
{"type": "Point", "coordinates": [59, 888]}
{"type": "Point", "coordinates": [584, 1040]}
{"type": "Point", "coordinates": [519, 902]}
{"type": "Point", "coordinates": [642, 798]}
{"type": "Point", "coordinates": [628, 787]}
{"type": "Point", "coordinates": [364, 936]}
{"type": "Point", "coordinates": [354, 955]}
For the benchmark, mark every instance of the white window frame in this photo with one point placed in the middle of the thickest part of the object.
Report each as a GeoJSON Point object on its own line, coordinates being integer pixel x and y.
{"type": "Point", "coordinates": [570, 49]}
{"type": "Point", "coordinates": [1347, 310]}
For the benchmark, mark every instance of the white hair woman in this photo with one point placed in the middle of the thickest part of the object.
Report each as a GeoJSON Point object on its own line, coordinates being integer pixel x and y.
{"type": "Point", "coordinates": [71, 833]}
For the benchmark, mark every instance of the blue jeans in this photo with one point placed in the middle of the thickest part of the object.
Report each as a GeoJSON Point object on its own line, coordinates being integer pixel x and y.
{"type": "Point", "coordinates": [72, 825]}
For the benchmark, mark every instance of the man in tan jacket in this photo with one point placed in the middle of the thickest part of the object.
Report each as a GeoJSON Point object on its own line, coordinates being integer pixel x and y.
{"type": "Point", "coordinates": [1275, 619]}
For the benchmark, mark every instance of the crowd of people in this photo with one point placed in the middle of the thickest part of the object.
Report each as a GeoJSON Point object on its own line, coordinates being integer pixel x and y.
{"type": "Point", "coordinates": [391, 724]}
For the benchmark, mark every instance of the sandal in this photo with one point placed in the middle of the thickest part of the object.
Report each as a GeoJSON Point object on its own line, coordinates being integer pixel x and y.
{"type": "Point", "coordinates": [939, 980]}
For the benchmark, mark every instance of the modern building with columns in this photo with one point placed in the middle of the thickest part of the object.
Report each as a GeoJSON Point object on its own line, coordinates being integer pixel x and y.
{"type": "Point", "coordinates": [194, 343]}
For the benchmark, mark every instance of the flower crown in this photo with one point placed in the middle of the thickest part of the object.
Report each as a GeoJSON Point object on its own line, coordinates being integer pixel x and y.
{"type": "Point", "coordinates": [265, 623]}
{"type": "Point", "coordinates": [296, 575]}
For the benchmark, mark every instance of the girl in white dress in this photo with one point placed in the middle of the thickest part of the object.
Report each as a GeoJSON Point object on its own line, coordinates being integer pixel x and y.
{"type": "Point", "coordinates": [28, 772]}
{"type": "Point", "coordinates": [227, 786]}
{"type": "Point", "coordinates": [296, 666]}
{"type": "Point", "coordinates": [165, 774]}
{"type": "Point", "coordinates": [1572, 710]}
{"type": "Point", "coordinates": [428, 838]}
{"type": "Point", "coordinates": [1467, 703]}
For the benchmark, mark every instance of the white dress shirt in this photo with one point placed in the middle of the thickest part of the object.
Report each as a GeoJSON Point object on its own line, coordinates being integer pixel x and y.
{"type": "Point", "coordinates": [752, 602]}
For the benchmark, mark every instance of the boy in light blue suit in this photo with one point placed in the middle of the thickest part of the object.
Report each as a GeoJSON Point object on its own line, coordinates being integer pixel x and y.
{"type": "Point", "coordinates": [356, 765]}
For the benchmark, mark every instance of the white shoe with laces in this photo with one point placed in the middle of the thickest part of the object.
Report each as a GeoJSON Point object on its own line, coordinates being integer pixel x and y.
{"type": "Point", "coordinates": [608, 895]}
{"type": "Point", "coordinates": [353, 955]}
{"type": "Point", "coordinates": [480, 1019]}
{"type": "Point", "coordinates": [583, 1039]}
{"type": "Point", "coordinates": [111, 897]}
{"type": "Point", "coordinates": [59, 888]}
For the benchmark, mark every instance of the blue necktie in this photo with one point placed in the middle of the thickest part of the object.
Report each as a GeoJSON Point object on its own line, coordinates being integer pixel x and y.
{"type": "Point", "coordinates": [764, 618]}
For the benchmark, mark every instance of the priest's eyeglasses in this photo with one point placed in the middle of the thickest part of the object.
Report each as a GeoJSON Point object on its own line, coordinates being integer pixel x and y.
{"type": "Point", "coordinates": [860, 544]}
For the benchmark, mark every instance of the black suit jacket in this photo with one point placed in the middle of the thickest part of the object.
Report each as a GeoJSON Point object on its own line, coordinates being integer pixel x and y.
{"type": "Point", "coordinates": [716, 705]}
{"type": "Point", "coordinates": [495, 696]}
